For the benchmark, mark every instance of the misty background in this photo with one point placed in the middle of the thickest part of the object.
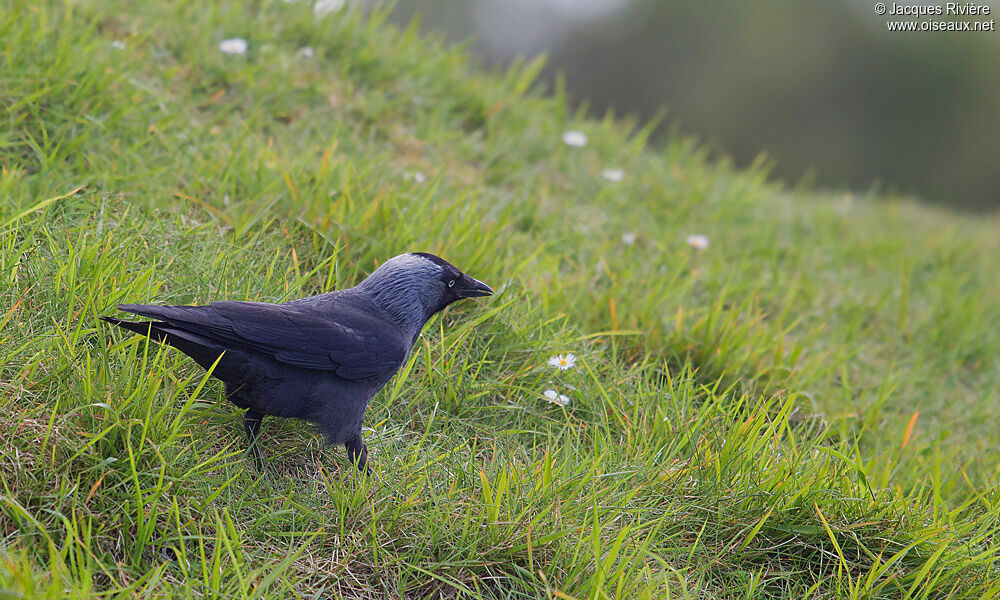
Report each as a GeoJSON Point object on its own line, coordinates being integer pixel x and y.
{"type": "Point", "coordinates": [822, 88]}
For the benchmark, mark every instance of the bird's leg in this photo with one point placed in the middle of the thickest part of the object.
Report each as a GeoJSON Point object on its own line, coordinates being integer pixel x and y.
{"type": "Point", "coordinates": [251, 424]}
{"type": "Point", "coordinates": [357, 453]}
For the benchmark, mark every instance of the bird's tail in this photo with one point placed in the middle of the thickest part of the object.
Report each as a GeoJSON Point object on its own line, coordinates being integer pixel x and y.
{"type": "Point", "coordinates": [150, 328]}
{"type": "Point", "coordinates": [201, 350]}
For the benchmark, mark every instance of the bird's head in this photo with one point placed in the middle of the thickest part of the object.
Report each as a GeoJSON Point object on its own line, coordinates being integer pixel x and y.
{"type": "Point", "coordinates": [416, 285]}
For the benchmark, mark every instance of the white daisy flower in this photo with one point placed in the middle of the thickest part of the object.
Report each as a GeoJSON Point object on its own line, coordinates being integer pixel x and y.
{"type": "Point", "coordinates": [697, 241]}
{"type": "Point", "coordinates": [563, 361]}
{"type": "Point", "coordinates": [575, 138]}
{"type": "Point", "coordinates": [118, 45]}
{"type": "Point", "coordinates": [305, 52]}
{"type": "Point", "coordinates": [628, 238]}
{"type": "Point", "coordinates": [555, 397]}
{"type": "Point", "coordinates": [233, 46]}
{"type": "Point", "coordinates": [325, 7]}
{"type": "Point", "coordinates": [613, 174]}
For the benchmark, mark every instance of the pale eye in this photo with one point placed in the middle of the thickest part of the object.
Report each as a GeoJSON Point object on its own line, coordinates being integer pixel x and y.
{"type": "Point", "coordinates": [451, 283]}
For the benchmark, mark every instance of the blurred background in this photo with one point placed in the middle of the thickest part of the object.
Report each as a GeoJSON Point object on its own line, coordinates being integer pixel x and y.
{"type": "Point", "coordinates": [822, 88]}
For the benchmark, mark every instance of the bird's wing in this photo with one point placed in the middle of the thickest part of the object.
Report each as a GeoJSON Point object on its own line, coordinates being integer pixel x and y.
{"type": "Point", "coordinates": [351, 343]}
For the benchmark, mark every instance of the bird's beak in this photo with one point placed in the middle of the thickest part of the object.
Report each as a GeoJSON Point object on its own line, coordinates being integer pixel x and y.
{"type": "Point", "coordinates": [472, 288]}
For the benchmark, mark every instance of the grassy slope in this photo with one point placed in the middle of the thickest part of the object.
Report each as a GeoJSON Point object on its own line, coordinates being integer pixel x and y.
{"type": "Point", "coordinates": [759, 438]}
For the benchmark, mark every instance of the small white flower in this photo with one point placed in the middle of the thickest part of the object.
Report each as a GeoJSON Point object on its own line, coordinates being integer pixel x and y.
{"type": "Point", "coordinates": [325, 7]}
{"type": "Point", "coordinates": [563, 361]}
{"type": "Point", "coordinates": [118, 45]}
{"type": "Point", "coordinates": [305, 52]}
{"type": "Point", "coordinates": [417, 176]}
{"type": "Point", "coordinates": [233, 46]}
{"type": "Point", "coordinates": [575, 138]}
{"type": "Point", "coordinates": [555, 397]}
{"type": "Point", "coordinates": [697, 241]}
{"type": "Point", "coordinates": [613, 174]}
{"type": "Point", "coordinates": [628, 238]}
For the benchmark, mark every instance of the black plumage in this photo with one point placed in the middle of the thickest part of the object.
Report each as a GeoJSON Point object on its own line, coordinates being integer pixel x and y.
{"type": "Point", "coordinates": [320, 358]}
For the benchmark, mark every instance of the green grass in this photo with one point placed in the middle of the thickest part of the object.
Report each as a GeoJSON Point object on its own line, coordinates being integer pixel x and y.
{"type": "Point", "coordinates": [804, 409]}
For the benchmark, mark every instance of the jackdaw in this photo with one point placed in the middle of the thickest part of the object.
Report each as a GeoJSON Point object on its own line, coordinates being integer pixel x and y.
{"type": "Point", "coordinates": [320, 358]}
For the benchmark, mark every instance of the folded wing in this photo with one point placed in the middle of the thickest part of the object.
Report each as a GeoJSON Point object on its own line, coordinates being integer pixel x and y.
{"type": "Point", "coordinates": [351, 343]}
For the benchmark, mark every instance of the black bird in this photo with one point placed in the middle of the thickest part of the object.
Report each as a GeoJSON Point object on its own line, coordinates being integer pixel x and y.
{"type": "Point", "coordinates": [320, 358]}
